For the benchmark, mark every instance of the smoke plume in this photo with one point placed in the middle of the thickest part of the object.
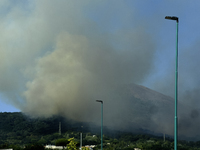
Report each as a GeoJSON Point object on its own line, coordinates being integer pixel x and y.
{"type": "Point", "coordinates": [58, 57]}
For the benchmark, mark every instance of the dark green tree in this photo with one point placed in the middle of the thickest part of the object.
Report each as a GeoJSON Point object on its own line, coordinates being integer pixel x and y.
{"type": "Point", "coordinates": [34, 147]}
{"type": "Point", "coordinates": [62, 142]}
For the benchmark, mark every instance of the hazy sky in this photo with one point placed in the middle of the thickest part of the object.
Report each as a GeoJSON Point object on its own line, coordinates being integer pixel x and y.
{"type": "Point", "coordinates": [77, 51]}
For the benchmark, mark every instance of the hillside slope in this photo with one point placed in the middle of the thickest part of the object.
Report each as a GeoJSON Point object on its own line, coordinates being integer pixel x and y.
{"type": "Point", "coordinates": [137, 107]}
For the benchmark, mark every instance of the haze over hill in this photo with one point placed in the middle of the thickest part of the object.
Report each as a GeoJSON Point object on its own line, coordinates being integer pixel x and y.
{"type": "Point", "coordinates": [139, 107]}
{"type": "Point", "coordinates": [143, 108]}
{"type": "Point", "coordinates": [135, 108]}
{"type": "Point", "coordinates": [58, 57]}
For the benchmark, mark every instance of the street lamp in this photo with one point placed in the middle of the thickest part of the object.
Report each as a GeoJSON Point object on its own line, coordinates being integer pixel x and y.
{"type": "Point", "coordinates": [176, 83]}
{"type": "Point", "coordinates": [101, 122]}
{"type": "Point", "coordinates": [81, 138]}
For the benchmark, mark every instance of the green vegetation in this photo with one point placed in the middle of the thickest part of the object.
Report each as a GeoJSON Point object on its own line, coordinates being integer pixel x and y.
{"type": "Point", "coordinates": [62, 142]}
{"type": "Point", "coordinates": [22, 133]}
{"type": "Point", "coordinates": [72, 144]}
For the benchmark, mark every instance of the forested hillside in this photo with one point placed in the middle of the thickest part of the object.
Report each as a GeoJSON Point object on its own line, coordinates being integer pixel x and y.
{"type": "Point", "coordinates": [20, 132]}
{"type": "Point", "coordinates": [18, 128]}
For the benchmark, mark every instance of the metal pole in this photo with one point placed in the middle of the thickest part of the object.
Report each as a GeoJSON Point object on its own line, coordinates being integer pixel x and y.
{"type": "Point", "coordinates": [102, 126]}
{"type": "Point", "coordinates": [81, 141]}
{"type": "Point", "coordinates": [176, 84]}
{"type": "Point", "coordinates": [59, 128]}
{"type": "Point", "coordinates": [101, 123]}
{"type": "Point", "coordinates": [176, 93]}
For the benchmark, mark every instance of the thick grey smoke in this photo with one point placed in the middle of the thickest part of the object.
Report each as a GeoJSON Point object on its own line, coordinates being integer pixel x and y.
{"type": "Point", "coordinates": [80, 70]}
{"type": "Point", "coordinates": [58, 57]}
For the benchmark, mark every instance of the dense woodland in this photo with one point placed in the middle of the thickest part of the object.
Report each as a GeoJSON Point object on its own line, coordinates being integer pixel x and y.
{"type": "Point", "coordinates": [19, 132]}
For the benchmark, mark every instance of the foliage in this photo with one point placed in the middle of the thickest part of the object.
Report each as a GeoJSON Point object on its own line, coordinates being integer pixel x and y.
{"type": "Point", "coordinates": [72, 144]}
{"type": "Point", "coordinates": [62, 142]}
{"type": "Point", "coordinates": [85, 148]}
{"type": "Point", "coordinates": [20, 132]}
{"type": "Point", "coordinates": [34, 147]}
{"type": "Point", "coordinates": [91, 140]}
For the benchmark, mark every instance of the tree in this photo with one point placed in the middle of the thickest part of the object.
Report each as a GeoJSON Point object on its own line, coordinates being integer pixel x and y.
{"type": "Point", "coordinates": [62, 142]}
{"type": "Point", "coordinates": [34, 147]}
{"type": "Point", "coordinates": [42, 141]}
{"type": "Point", "coordinates": [72, 144]}
{"type": "Point", "coordinates": [85, 148]}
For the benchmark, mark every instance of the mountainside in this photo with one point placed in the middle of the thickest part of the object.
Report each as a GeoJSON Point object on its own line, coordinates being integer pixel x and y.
{"type": "Point", "coordinates": [137, 107]}
{"type": "Point", "coordinates": [145, 93]}
{"type": "Point", "coordinates": [133, 108]}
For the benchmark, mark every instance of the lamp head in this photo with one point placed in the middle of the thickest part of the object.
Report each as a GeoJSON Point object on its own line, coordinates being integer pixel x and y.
{"type": "Point", "coordinates": [99, 101]}
{"type": "Point", "coordinates": [172, 18]}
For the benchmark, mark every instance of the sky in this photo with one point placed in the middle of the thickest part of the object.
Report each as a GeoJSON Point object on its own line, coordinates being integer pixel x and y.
{"type": "Point", "coordinates": [78, 51]}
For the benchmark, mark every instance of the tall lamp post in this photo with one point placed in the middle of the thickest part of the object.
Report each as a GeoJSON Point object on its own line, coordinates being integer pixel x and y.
{"type": "Point", "coordinates": [101, 122]}
{"type": "Point", "coordinates": [81, 138]}
{"type": "Point", "coordinates": [176, 82]}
